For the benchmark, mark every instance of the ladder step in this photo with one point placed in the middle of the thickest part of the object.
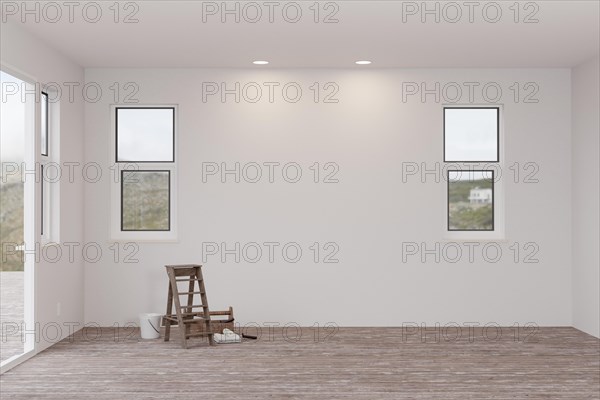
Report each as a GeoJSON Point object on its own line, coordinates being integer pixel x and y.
{"type": "Point", "coordinates": [180, 293]}
{"type": "Point", "coordinates": [187, 321]}
{"type": "Point", "coordinates": [188, 280]}
{"type": "Point", "coordinates": [195, 306]}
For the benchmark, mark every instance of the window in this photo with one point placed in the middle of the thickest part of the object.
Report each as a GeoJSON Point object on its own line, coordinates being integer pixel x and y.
{"type": "Point", "coordinates": [472, 155]}
{"type": "Point", "coordinates": [470, 200]}
{"type": "Point", "coordinates": [145, 134]}
{"type": "Point", "coordinates": [44, 124]}
{"type": "Point", "coordinates": [471, 134]}
{"type": "Point", "coordinates": [49, 181]}
{"type": "Point", "coordinates": [145, 201]}
{"type": "Point", "coordinates": [144, 153]}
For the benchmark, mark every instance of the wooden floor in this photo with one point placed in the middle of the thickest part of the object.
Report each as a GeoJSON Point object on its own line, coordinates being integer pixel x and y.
{"type": "Point", "coordinates": [354, 363]}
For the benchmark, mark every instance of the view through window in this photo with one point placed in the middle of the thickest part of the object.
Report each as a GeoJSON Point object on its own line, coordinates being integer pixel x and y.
{"type": "Point", "coordinates": [12, 152]}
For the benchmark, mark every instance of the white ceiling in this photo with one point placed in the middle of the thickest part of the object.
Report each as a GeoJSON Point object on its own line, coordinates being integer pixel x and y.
{"type": "Point", "coordinates": [173, 34]}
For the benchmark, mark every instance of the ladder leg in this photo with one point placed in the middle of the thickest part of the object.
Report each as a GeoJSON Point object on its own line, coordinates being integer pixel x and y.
{"type": "Point", "coordinates": [207, 324]}
{"type": "Point", "coordinates": [190, 301]}
{"type": "Point", "coordinates": [169, 312]}
{"type": "Point", "coordinates": [190, 296]}
{"type": "Point", "coordinates": [181, 325]}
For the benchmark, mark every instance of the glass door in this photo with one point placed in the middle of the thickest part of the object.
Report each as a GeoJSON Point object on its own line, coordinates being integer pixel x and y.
{"type": "Point", "coordinates": [18, 190]}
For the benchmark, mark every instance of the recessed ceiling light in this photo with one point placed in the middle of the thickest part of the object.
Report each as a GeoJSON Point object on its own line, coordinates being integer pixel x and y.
{"type": "Point", "coordinates": [363, 62]}
{"type": "Point", "coordinates": [259, 62]}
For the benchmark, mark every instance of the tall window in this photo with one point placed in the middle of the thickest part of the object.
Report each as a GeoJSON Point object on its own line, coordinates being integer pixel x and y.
{"type": "Point", "coordinates": [472, 155]}
{"type": "Point", "coordinates": [45, 160]}
{"type": "Point", "coordinates": [144, 151]}
{"type": "Point", "coordinates": [44, 124]}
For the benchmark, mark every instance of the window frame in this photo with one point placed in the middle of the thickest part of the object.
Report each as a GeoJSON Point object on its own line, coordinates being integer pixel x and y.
{"type": "Point", "coordinates": [169, 199]}
{"type": "Point", "coordinates": [116, 233]}
{"type": "Point", "coordinates": [499, 187]}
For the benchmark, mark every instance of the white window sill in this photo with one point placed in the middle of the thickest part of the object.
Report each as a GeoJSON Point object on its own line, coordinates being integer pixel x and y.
{"type": "Point", "coordinates": [474, 236]}
{"type": "Point", "coordinates": [144, 236]}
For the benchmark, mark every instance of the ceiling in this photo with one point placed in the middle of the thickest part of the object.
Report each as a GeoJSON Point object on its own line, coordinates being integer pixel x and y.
{"type": "Point", "coordinates": [389, 33]}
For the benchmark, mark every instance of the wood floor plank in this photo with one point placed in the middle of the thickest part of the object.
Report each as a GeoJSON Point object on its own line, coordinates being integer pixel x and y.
{"type": "Point", "coordinates": [355, 363]}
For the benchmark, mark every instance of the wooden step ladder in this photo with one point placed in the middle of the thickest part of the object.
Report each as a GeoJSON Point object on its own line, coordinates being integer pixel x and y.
{"type": "Point", "coordinates": [185, 317]}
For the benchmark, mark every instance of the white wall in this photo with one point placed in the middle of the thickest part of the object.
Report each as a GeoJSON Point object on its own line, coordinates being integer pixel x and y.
{"type": "Point", "coordinates": [586, 203]}
{"type": "Point", "coordinates": [370, 213]}
{"type": "Point", "coordinates": [61, 281]}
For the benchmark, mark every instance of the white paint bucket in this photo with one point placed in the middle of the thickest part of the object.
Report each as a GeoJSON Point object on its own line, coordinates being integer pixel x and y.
{"type": "Point", "coordinates": [150, 325]}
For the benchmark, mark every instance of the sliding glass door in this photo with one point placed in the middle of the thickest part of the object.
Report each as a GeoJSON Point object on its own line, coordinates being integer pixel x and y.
{"type": "Point", "coordinates": [19, 195]}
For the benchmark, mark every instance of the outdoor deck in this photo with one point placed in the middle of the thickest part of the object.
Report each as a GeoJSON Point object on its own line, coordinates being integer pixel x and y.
{"type": "Point", "coordinates": [11, 312]}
